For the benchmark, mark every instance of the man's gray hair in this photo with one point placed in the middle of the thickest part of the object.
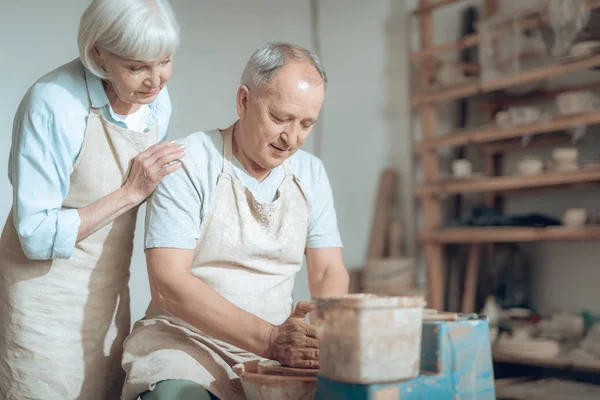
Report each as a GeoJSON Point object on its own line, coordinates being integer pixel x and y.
{"type": "Point", "coordinates": [267, 59]}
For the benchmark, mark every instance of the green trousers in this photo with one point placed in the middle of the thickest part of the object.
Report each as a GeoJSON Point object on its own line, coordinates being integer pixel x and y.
{"type": "Point", "coordinates": [178, 390]}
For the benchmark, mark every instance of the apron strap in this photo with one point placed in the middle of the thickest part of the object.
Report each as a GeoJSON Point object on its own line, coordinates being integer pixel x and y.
{"type": "Point", "coordinates": [286, 168]}
{"type": "Point", "coordinates": [89, 98]}
{"type": "Point", "coordinates": [227, 150]}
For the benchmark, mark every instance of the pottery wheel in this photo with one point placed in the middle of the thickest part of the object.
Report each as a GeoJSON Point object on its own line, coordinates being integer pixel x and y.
{"type": "Point", "coordinates": [270, 367]}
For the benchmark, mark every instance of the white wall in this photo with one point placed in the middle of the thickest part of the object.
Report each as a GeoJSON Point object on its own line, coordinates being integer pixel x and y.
{"type": "Point", "coordinates": [218, 38]}
{"type": "Point", "coordinates": [366, 106]}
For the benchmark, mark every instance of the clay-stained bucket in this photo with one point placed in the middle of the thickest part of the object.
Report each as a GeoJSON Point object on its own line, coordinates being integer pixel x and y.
{"type": "Point", "coordinates": [366, 338]}
{"type": "Point", "coordinates": [273, 387]}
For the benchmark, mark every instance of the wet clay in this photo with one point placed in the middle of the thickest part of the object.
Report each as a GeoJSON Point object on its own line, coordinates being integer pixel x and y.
{"type": "Point", "coordinates": [274, 387]}
{"type": "Point", "coordinates": [270, 367]}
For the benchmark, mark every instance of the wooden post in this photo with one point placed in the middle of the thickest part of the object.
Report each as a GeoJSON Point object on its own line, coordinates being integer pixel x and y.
{"type": "Point", "coordinates": [431, 204]}
{"type": "Point", "coordinates": [471, 279]}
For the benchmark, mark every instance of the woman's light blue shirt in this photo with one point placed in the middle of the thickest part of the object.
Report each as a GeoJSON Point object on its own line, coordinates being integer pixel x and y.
{"type": "Point", "coordinates": [47, 137]}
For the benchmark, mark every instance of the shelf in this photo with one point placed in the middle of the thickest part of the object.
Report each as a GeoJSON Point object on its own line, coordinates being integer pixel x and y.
{"type": "Point", "coordinates": [510, 234]}
{"type": "Point", "coordinates": [432, 7]}
{"type": "Point", "coordinates": [515, 182]}
{"type": "Point", "coordinates": [474, 39]}
{"type": "Point", "coordinates": [504, 146]}
{"type": "Point", "coordinates": [471, 88]}
{"type": "Point", "coordinates": [502, 100]}
{"type": "Point", "coordinates": [495, 133]}
{"type": "Point", "coordinates": [556, 363]}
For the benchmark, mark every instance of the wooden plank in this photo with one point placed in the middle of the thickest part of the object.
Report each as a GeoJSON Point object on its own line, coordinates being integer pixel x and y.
{"type": "Point", "coordinates": [382, 213]}
{"type": "Point", "coordinates": [395, 247]}
{"type": "Point", "coordinates": [505, 146]}
{"type": "Point", "coordinates": [432, 7]}
{"type": "Point", "coordinates": [450, 92]}
{"type": "Point", "coordinates": [507, 101]}
{"type": "Point", "coordinates": [474, 39]}
{"type": "Point", "coordinates": [540, 73]}
{"type": "Point", "coordinates": [431, 205]}
{"type": "Point", "coordinates": [434, 262]}
{"type": "Point", "coordinates": [504, 183]}
{"type": "Point", "coordinates": [510, 235]}
{"type": "Point", "coordinates": [557, 362]}
{"type": "Point", "coordinates": [471, 279]}
{"type": "Point", "coordinates": [471, 88]}
{"type": "Point", "coordinates": [495, 133]}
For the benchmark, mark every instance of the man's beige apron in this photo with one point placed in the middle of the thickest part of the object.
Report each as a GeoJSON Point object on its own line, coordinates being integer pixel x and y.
{"type": "Point", "coordinates": [249, 252]}
{"type": "Point", "coordinates": [63, 322]}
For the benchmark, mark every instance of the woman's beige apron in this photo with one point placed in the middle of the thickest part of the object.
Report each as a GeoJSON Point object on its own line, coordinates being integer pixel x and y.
{"type": "Point", "coordinates": [63, 322]}
{"type": "Point", "coordinates": [249, 252]}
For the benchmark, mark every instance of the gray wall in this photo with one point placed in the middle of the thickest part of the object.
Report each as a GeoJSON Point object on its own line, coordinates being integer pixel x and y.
{"type": "Point", "coordinates": [362, 48]}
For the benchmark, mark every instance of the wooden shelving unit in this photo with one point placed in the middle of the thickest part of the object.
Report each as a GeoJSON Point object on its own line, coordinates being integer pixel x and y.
{"type": "Point", "coordinates": [493, 141]}
{"type": "Point", "coordinates": [509, 235]}
{"type": "Point", "coordinates": [507, 183]}
{"type": "Point", "coordinates": [472, 88]}
{"type": "Point", "coordinates": [493, 133]}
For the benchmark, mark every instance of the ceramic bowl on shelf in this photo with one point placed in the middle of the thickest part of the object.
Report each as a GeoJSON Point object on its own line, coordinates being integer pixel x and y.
{"type": "Point", "coordinates": [461, 168]}
{"type": "Point", "coordinates": [565, 155]}
{"type": "Point", "coordinates": [575, 217]}
{"type": "Point", "coordinates": [524, 115]}
{"type": "Point", "coordinates": [530, 166]}
{"type": "Point", "coordinates": [576, 102]}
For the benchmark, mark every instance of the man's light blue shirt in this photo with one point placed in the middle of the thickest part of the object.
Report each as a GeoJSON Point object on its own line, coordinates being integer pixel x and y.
{"type": "Point", "coordinates": [48, 132]}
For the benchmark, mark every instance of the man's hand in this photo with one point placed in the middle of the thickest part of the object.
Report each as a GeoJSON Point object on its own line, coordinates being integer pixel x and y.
{"type": "Point", "coordinates": [294, 343]}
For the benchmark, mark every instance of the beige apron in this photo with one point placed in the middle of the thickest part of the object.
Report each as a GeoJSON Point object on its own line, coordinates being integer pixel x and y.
{"type": "Point", "coordinates": [249, 252]}
{"type": "Point", "coordinates": [63, 322]}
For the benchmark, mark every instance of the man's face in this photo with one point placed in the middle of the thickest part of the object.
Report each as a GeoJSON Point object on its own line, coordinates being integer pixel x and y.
{"type": "Point", "coordinates": [276, 122]}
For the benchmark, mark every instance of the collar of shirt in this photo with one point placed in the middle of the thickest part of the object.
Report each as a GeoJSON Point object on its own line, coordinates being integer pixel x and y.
{"type": "Point", "coordinates": [100, 100]}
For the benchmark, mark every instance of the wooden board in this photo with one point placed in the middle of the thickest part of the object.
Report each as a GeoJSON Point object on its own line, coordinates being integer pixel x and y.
{"type": "Point", "coordinates": [383, 206]}
{"type": "Point", "coordinates": [395, 242]}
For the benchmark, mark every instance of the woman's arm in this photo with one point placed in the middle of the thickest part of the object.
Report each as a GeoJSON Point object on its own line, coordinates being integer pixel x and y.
{"type": "Point", "coordinates": [148, 168]}
{"type": "Point", "coordinates": [40, 168]}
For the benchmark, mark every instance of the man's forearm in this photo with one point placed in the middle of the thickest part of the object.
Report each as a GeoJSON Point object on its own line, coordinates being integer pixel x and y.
{"type": "Point", "coordinates": [190, 299]}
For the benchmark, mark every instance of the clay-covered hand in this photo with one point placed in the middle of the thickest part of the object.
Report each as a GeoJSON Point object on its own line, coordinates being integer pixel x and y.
{"type": "Point", "coordinates": [150, 166]}
{"type": "Point", "coordinates": [294, 343]}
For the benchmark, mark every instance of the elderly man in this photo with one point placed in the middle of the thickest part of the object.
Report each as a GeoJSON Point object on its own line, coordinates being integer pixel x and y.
{"type": "Point", "coordinates": [226, 235]}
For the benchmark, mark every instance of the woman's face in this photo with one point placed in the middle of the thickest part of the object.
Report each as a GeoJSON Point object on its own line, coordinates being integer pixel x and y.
{"type": "Point", "coordinates": [135, 82]}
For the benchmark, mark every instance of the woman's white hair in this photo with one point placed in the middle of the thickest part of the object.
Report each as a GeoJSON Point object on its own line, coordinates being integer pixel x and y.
{"type": "Point", "coordinates": [269, 58]}
{"type": "Point", "coordinates": [143, 30]}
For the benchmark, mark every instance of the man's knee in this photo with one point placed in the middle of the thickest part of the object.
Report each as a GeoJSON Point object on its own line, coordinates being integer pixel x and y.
{"type": "Point", "coordinates": [177, 390]}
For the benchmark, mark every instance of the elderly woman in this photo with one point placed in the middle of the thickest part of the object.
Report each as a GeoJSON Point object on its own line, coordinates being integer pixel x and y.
{"type": "Point", "coordinates": [83, 158]}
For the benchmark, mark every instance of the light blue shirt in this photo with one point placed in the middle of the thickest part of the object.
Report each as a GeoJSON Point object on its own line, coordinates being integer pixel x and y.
{"type": "Point", "coordinates": [48, 132]}
{"type": "Point", "coordinates": [181, 202]}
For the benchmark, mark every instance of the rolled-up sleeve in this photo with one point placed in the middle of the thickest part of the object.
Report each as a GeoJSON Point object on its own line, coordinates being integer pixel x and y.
{"type": "Point", "coordinates": [323, 228]}
{"type": "Point", "coordinates": [39, 170]}
{"type": "Point", "coordinates": [173, 213]}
